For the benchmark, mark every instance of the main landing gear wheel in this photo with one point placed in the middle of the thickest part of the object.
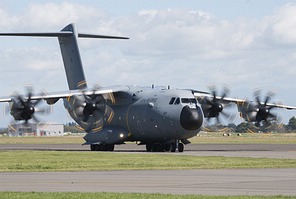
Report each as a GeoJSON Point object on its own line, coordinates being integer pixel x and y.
{"type": "Point", "coordinates": [177, 145]}
{"type": "Point", "coordinates": [102, 147]}
{"type": "Point", "coordinates": [180, 147]}
{"type": "Point", "coordinates": [173, 147]}
{"type": "Point", "coordinates": [157, 147]}
{"type": "Point", "coordinates": [149, 147]}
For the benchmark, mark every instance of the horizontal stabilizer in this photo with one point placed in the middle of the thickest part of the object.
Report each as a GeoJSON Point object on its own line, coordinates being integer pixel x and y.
{"type": "Point", "coordinates": [43, 34]}
{"type": "Point", "coordinates": [62, 34]}
{"type": "Point", "coordinates": [100, 36]}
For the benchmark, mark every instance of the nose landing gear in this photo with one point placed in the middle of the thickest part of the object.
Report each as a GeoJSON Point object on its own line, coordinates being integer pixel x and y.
{"type": "Point", "coordinates": [177, 145]}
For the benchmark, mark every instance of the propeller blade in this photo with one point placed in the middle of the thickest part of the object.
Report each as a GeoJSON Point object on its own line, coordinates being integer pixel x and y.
{"type": "Point", "coordinates": [213, 106]}
{"type": "Point", "coordinates": [93, 110]}
{"type": "Point", "coordinates": [225, 92]}
{"type": "Point", "coordinates": [261, 108]}
{"type": "Point", "coordinates": [36, 120]}
{"type": "Point", "coordinates": [226, 115]}
{"type": "Point", "coordinates": [29, 89]}
{"type": "Point", "coordinates": [214, 96]}
{"type": "Point", "coordinates": [23, 108]}
{"type": "Point", "coordinates": [85, 118]}
{"type": "Point", "coordinates": [45, 110]}
{"type": "Point", "coordinates": [21, 100]}
{"type": "Point", "coordinates": [36, 102]}
{"type": "Point", "coordinates": [218, 121]}
{"type": "Point", "coordinates": [90, 125]}
{"type": "Point", "coordinates": [208, 101]}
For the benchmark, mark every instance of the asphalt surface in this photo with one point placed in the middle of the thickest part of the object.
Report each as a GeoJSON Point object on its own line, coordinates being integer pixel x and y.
{"type": "Point", "coordinates": [213, 182]}
{"type": "Point", "coordinates": [209, 182]}
{"type": "Point", "coordinates": [227, 150]}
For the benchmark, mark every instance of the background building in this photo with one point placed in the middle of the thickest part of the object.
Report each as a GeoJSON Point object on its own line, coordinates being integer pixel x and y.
{"type": "Point", "coordinates": [36, 129]}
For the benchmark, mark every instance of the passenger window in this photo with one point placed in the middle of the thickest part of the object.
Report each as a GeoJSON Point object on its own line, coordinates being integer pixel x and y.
{"type": "Point", "coordinates": [177, 101]}
{"type": "Point", "coordinates": [172, 100]}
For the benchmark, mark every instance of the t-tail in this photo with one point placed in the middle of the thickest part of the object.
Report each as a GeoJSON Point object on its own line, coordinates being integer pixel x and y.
{"type": "Point", "coordinates": [71, 58]}
{"type": "Point", "coordinates": [70, 52]}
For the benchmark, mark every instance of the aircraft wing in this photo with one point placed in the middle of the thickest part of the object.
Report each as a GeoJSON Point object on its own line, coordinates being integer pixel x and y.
{"type": "Point", "coordinates": [200, 95]}
{"type": "Point", "coordinates": [252, 111]}
{"type": "Point", "coordinates": [65, 94]}
{"type": "Point", "coordinates": [240, 102]}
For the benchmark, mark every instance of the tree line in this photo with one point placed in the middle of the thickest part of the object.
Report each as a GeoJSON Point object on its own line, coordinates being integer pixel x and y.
{"type": "Point", "coordinates": [246, 127]}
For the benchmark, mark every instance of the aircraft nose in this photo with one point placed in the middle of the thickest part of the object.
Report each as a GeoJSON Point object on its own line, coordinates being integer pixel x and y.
{"type": "Point", "coordinates": [191, 118]}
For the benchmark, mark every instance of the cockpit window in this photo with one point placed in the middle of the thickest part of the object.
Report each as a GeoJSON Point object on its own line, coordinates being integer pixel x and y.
{"type": "Point", "coordinates": [172, 100]}
{"type": "Point", "coordinates": [188, 100]}
{"type": "Point", "coordinates": [177, 101]}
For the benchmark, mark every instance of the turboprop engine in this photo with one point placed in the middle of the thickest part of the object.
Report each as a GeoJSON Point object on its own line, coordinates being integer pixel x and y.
{"type": "Point", "coordinates": [258, 111]}
{"type": "Point", "coordinates": [24, 108]}
{"type": "Point", "coordinates": [92, 111]}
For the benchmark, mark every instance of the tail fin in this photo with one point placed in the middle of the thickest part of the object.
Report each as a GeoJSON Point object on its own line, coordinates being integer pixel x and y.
{"type": "Point", "coordinates": [71, 58]}
{"type": "Point", "coordinates": [70, 52]}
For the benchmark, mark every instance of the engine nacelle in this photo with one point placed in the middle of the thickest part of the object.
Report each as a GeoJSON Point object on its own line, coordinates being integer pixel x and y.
{"type": "Point", "coordinates": [90, 112]}
{"type": "Point", "coordinates": [22, 110]}
{"type": "Point", "coordinates": [253, 112]}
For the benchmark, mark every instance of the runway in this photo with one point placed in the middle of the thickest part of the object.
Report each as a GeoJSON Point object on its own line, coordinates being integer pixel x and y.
{"type": "Point", "coordinates": [204, 181]}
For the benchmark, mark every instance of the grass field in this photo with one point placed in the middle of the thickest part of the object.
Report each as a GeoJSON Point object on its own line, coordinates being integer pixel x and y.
{"type": "Point", "coordinates": [245, 138]}
{"type": "Point", "coordinates": [209, 137]}
{"type": "Point", "coordinates": [16, 161]}
{"type": "Point", "coordinates": [125, 196]}
{"type": "Point", "coordinates": [42, 140]}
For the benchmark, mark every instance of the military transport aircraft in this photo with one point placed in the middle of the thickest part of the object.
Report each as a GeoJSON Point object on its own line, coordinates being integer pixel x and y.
{"type": "Point", "coordinates": [161, 119]}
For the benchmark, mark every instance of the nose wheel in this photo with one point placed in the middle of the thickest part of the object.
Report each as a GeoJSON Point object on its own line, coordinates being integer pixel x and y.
{"type": "Point", "coordinates": [177, 145]}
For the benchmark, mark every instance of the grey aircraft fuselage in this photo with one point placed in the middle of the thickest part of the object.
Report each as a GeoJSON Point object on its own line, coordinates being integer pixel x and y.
{"type": "Point", "coordinates": [151, 115]}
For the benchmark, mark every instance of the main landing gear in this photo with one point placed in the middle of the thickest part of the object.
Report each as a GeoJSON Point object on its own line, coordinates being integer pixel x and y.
{"type": "Point", "coordinates": [102, 147]}
{"type": "Point", "coordinates": [164, 147]}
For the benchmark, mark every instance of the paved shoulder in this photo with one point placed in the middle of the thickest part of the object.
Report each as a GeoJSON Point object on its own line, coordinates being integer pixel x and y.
{"type": "Point", "coordinates": [212, 182]}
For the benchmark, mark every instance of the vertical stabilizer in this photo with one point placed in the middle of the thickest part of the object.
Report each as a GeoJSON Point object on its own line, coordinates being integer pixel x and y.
{"type": "Point", "coordinates": [71, 58]}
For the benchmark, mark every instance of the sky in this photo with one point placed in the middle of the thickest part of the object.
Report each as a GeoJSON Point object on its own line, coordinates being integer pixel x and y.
{"type": "Point", "coordinates": [244, 44]}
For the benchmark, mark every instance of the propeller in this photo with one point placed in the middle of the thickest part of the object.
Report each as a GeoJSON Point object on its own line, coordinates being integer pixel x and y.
{"type": "Point", "coordinates": [213, 106]}
{"type": "Point", "coordinates": [262, 108]}
{"type": "Point", "coordinates": [93, 110]}
{"type": "Point", "coordinates": [24, 108]}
